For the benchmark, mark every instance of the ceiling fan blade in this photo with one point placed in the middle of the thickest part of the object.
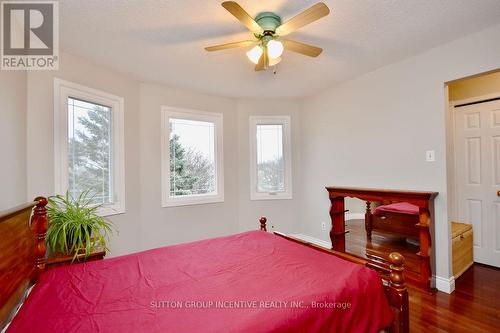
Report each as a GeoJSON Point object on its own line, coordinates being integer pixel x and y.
{"type": "Point", "coordinates": [263, 62]}
{"type": "Point", "coordinates": [309, 15]}
{"type": "Point", "coordinates": [242, 16]}
{"type": "Point", "coordinates": [244, 43]}
{"type": "Point", "coordinates": [305, 49]}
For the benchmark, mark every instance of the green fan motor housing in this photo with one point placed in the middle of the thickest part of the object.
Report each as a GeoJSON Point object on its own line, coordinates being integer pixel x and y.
{"type": "Point", "coordinates": [268, 21]}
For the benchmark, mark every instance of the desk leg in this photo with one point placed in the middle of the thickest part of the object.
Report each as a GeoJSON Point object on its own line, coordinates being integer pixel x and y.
{"type": "Point", "coordinates": [425, 247]}
{"type": "Point", "coordinates": [337, 233]}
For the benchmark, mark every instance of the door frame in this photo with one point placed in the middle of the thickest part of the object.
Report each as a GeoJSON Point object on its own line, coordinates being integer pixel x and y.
{"type": "Point", "coordinates": [452, 177]}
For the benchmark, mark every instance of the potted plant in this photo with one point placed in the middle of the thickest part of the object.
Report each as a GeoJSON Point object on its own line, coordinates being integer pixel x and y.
{"type": "Point", "coordinates": [74, 226]}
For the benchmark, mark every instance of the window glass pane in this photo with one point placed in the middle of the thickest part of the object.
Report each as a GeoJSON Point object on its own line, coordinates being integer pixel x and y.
{"type": "Point", "coordinates": [270, 164]}
{"type": "Point", "coordinates": [192, 157]}
{"type": "Point", "coordinates": [89, 150]}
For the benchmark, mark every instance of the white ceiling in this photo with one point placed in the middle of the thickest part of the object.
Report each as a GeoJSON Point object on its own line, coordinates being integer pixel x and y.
{"type": "Point", "coordinates": [162, 41]}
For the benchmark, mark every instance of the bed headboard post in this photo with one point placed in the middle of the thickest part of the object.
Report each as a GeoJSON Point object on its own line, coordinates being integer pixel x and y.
{"type": "Point", "coordinates": [39, 223]}
{"type": "Point", "coordinates": [263, 221]}
{"type": "Point", "coordinates": [399, 293]}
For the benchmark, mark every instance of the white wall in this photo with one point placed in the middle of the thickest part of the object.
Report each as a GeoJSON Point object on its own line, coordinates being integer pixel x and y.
{"type": "Point", "coordinates": [373, 131]}
{"type": "Point", "coordinates": [164, 226]}
{"type": "Point", "coordinates": [13, 138]}
{"type": "Point", "coordinates": [336, 136]}
{"type": "Point", "coordinates": [282, 214]}
{"type": "Point", "coordinates": [146, 224]}
{"type": "Point", "coordinates": [40, 148]}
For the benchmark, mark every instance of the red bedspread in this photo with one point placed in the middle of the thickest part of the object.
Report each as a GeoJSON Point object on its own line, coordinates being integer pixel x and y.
{"type": "Point", "coordinates": [249, 282]}
{"type": "Point", "coordinates": [399, 207]}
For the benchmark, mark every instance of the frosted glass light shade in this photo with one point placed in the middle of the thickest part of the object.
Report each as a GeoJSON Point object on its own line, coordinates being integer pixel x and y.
{"type": "Point", "coordinates": [274, 49]}
{"type": "Point", "coordinates": [274, 61]}
{"type": "Point", "coordinates": [254, 54]}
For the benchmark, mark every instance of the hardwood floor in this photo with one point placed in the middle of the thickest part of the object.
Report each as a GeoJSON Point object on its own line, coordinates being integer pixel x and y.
{"type": "Point", "coordinates": [380, 246]}
{"type": "Point", "coordinates": [473, 307]}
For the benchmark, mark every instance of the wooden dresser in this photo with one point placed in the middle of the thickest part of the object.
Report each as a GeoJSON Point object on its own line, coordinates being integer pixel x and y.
{"type": "Point", "coordinates": [421, 228]}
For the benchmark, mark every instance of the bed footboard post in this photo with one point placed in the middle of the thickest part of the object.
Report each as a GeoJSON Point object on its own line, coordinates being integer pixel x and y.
{"type": "Point", "coordinates": [368, 221]}
{"type": "Point", "coordinates": [398, 294]}
{"type": "Point", "coordinates": [263, 221]}
{"type": "Point", "coordinates": [39, 223]}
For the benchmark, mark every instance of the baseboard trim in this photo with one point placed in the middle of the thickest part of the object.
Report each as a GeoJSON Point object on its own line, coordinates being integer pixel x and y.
{"type": "Point", "coordinates": [354, 216]}
{"type": "Point", "coordinates": [446, 285]}
{"type": "Point", "coordinates": [313, 240]}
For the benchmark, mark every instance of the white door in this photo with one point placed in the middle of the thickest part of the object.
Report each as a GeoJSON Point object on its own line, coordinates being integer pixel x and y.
{"type": "Point", "coordinates": [477, 142]}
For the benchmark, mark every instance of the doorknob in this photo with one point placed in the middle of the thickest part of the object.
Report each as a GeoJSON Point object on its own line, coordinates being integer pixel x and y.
{"type": "Point", "coordinates": [498, 193]}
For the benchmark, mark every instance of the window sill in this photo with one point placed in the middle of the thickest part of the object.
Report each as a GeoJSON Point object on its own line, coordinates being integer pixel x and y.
{"type": "Point", "coordinates": [267, 196]}
{"type": "Point", "coordinates": [110, 210]}
{"type": "Point", "coordinates": [189, 201]}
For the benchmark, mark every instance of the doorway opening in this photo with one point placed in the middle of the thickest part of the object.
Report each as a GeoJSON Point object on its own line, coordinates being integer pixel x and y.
{"type": "Point", "coordinates": [473, 162]}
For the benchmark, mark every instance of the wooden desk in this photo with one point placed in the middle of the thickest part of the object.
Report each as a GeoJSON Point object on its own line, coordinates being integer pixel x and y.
{"type": "Point", "coordinates": [425, 202]}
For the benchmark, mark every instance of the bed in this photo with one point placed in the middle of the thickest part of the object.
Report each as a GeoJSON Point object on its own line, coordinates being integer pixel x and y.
{"type": "Point", "coordinates": [248, 282]}
{"type": "Point", "coordinates": [398, 218]}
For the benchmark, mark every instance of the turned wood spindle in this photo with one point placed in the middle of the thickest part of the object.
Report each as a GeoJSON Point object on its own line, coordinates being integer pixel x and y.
{"type": "Point", "coordinates": [399, 293]}
{"type": "Point", "coordinates": [368, 221]}
{"type": "Point", "coordinates": [39, 223]}
{"type": "Point", "coordinates": [397, 267]}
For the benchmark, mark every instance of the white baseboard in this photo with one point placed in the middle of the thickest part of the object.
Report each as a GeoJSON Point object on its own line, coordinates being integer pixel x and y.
{"type": "Point", "coordinates": [445, 285]}
{"type": "Point", "coordinates": [354, 216]}
{"type": "Point", "coordinates": [313, 240]}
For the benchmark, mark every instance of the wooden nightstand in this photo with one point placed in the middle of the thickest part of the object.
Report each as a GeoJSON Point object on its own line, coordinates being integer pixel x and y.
{"type": "Point", "coordinates": [60, 259]}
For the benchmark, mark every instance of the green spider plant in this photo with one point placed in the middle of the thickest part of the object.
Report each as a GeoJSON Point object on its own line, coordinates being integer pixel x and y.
{"type": "Point", "coordinates": [74, 226]}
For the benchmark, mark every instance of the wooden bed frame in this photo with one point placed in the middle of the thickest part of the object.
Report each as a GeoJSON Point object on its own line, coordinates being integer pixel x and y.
{"type": "Point", "coordinates": [23, 258]}
{"type": "Point", "coordinates": [22, 253]}
{"type": "Point", "coordinates": [399, 224]}
{"type": "Point", "coordinates": [392, 276]}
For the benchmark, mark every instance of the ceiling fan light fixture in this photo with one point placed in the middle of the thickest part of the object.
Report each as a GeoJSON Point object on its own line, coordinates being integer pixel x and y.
{"type": "Point", "coordinates": [274, 49]}
{"type": "Point", "coordinates": [274, 61]}
{"type": "Point", "coordinates": [268, 30]}
{"type": "Point", "coordinates": [254, 54]}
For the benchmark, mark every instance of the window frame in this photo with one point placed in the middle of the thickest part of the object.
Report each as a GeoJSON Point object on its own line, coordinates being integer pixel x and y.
{"type": "Point", "coordinates": [167, 113]}
{"type": "Point", "coordinates": [64, 90]}
{"type": "Point", "coordinates": [285, 121]}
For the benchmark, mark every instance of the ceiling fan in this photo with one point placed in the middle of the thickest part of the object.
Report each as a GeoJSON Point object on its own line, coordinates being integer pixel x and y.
{"type": "Point", "coordinates": [268, 30]}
